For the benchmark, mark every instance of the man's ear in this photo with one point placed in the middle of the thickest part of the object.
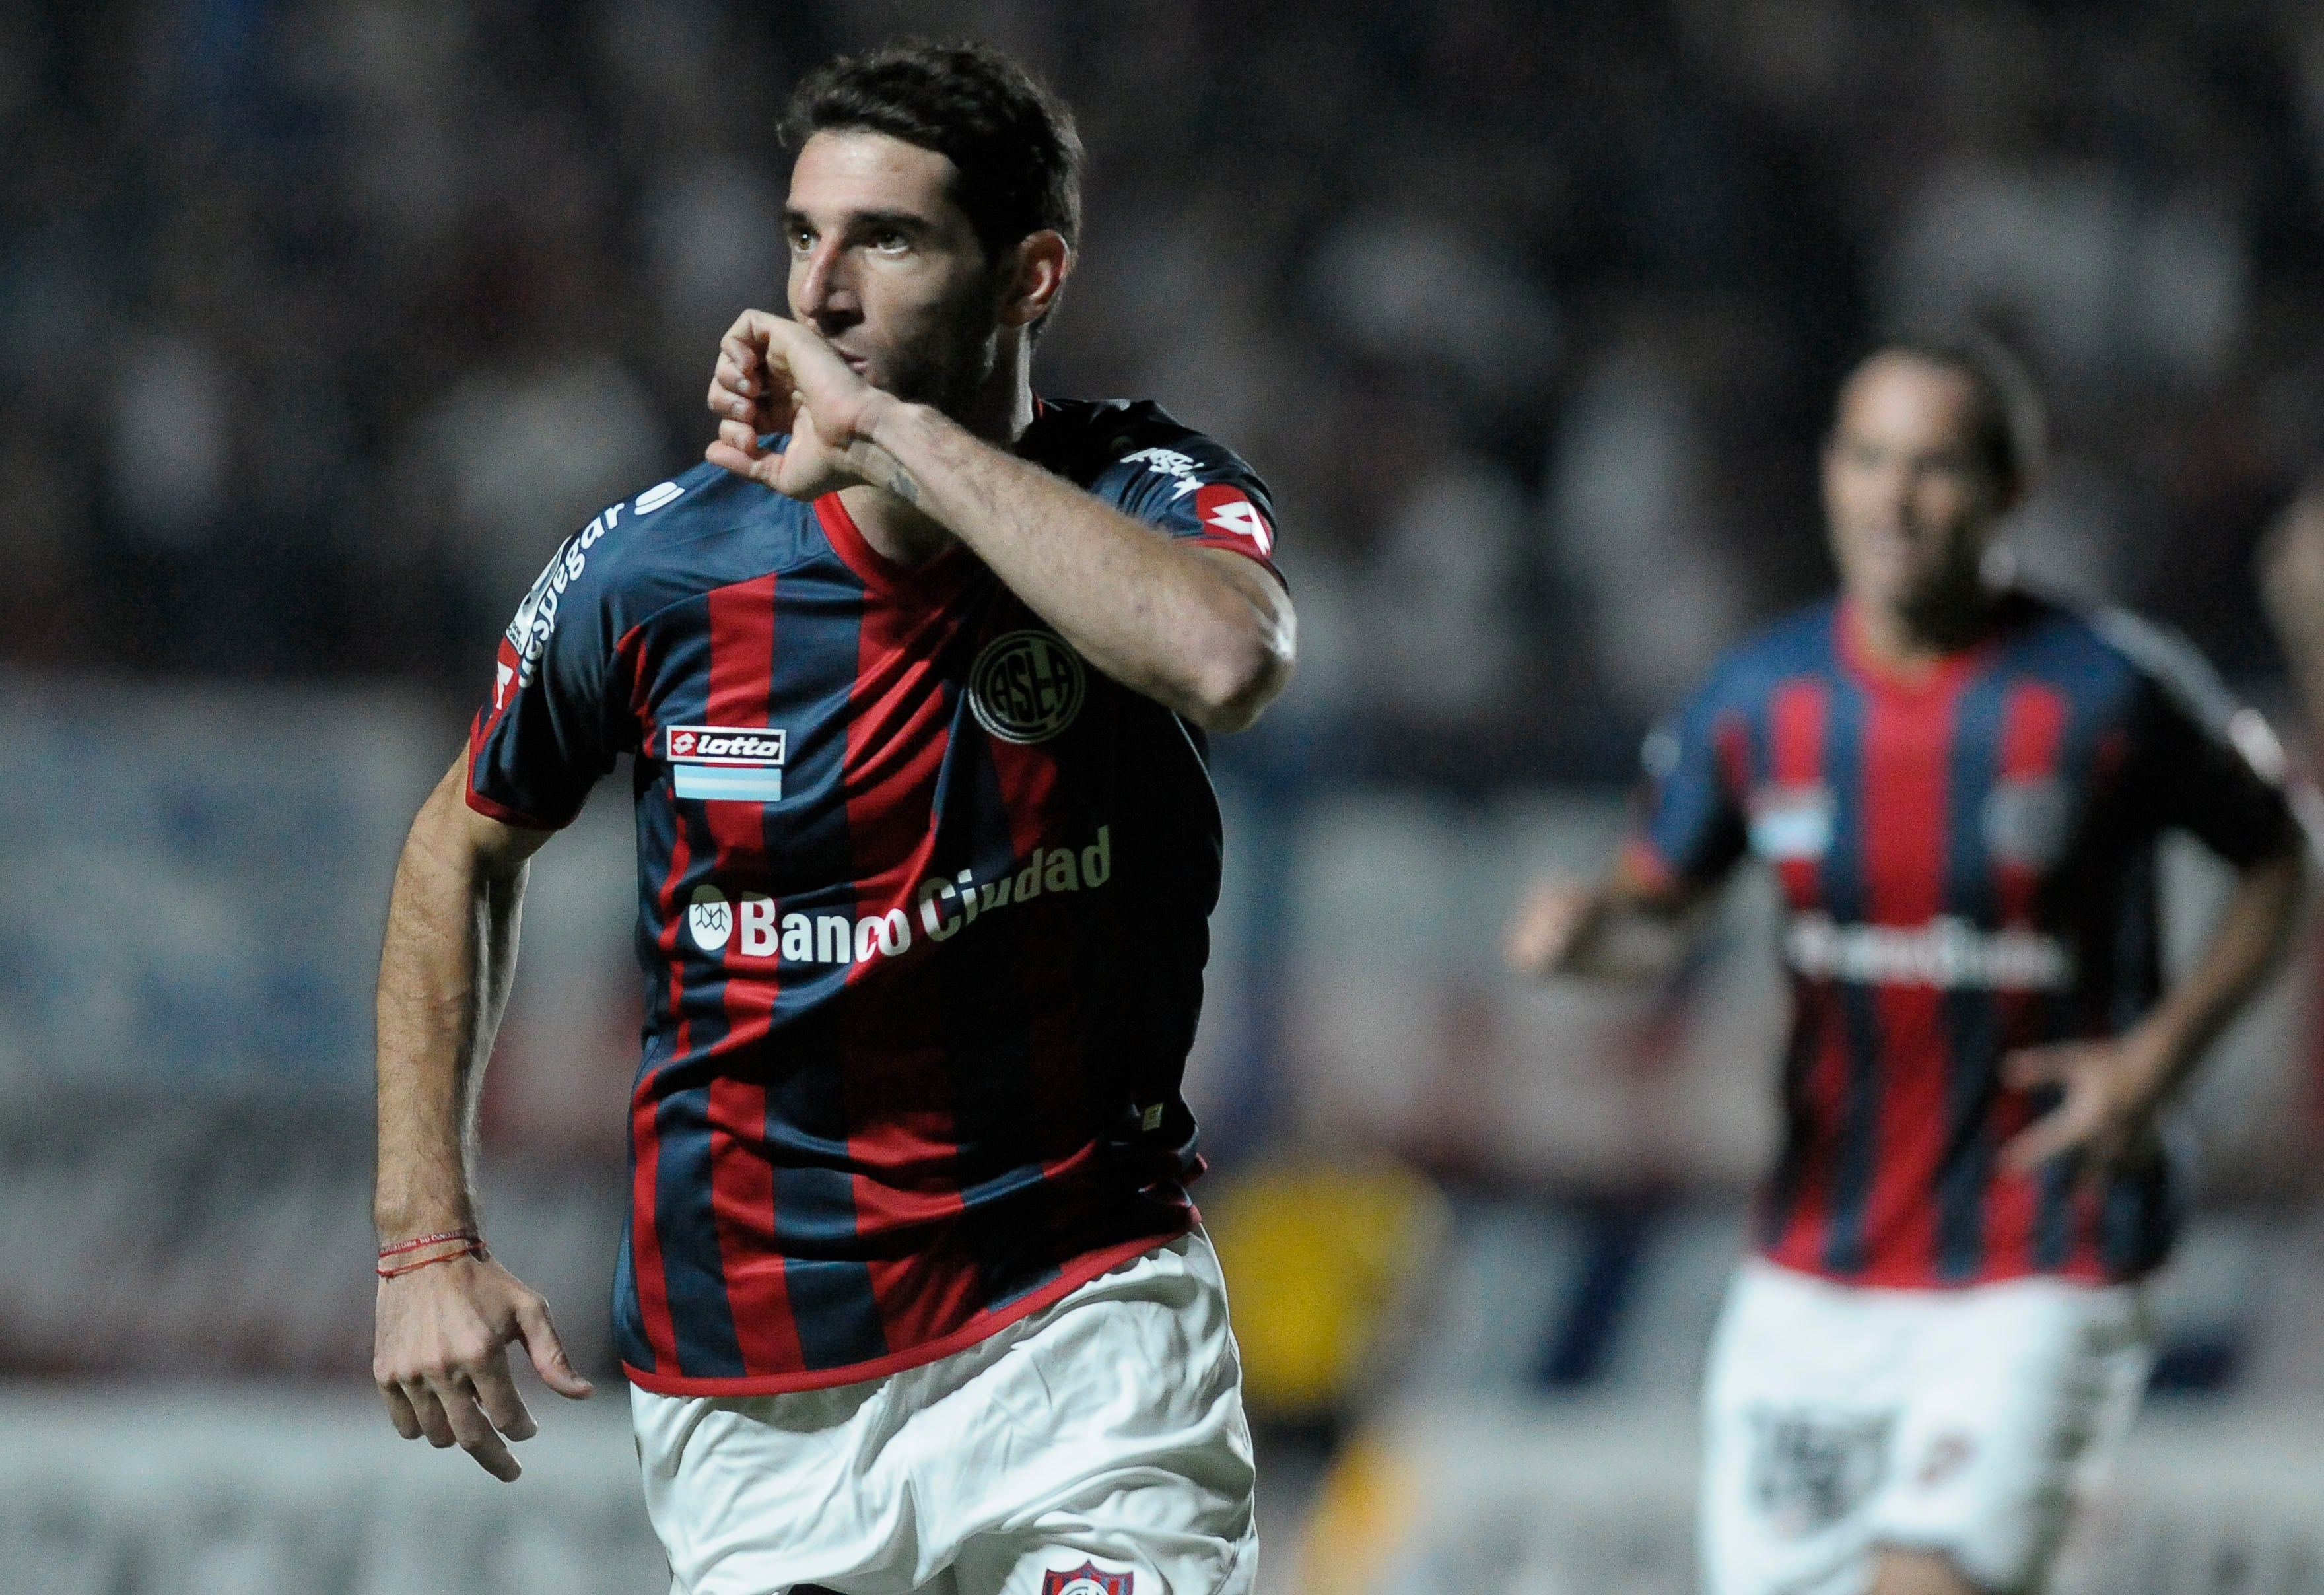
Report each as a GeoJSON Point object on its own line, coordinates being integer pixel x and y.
{"type": "Point", "coordinates": [1043, 261]}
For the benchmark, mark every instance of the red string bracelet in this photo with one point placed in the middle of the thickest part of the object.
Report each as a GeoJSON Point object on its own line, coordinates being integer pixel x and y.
{"type": "Point", "coordinates": [472, 1248]}
{"type": "Point", "coordinates": [415, 1244]}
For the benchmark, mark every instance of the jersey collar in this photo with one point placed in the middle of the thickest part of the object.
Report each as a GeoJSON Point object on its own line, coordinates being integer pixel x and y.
{"type": "Point", "coordinates": [930, 583]}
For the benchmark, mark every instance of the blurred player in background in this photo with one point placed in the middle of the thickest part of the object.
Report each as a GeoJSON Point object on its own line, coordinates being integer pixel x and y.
{"type": "Point", "coordinates": [1960, 786]}
{"type": "Point", "coordinates": [2292, 585]}
{"type": "Point", "coordinates": [912, 1297]}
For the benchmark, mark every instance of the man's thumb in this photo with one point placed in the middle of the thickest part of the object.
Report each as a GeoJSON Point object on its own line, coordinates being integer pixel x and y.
{"type": "Point", "coordinates": [547, 1353]}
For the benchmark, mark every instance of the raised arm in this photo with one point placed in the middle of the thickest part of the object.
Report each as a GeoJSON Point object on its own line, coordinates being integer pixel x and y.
{"type": "Point", "coordinates": [1630, 926]}
{"type": "Point", "coordinates": [1204, 631]}
{"type": "Point", "coordinates": [446, 1313]}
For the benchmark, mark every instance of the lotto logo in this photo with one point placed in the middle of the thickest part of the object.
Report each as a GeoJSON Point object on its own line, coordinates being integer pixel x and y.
{"type": "Point", "coordinates": [1226, 510]}
{"type": "Point", "coordinates": [726, 744]}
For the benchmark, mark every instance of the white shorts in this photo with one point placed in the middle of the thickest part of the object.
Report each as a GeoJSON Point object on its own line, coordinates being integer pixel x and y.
{"type": "Point", "coordinates": [1102, 1436]}
{"type": "Point", "coordinates": [1969, 1423]}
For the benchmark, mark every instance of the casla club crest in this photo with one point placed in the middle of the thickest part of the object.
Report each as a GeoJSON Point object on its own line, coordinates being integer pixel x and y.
{"type": "Point", "coordinates": [1088, 1579]}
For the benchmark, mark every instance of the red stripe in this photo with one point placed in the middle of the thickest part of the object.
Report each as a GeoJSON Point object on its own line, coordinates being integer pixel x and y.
{"type": "Point", "coordinates": [1795, 735]}
{"type": "Point", "coordinates": [742, 1174]}
{"type": "Point", "coordinates": [2032, 730]}
{"type": "Point", "coordinates": [898, 733]}
{"type": "Point", "coordinates": [1907, 755]}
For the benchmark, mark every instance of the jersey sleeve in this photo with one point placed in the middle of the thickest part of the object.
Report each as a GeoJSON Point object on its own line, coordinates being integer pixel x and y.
{"type": "Point", "coordinates": [557, 714]}
{"type": "Point", "coordinates": [1199, 491]}
{"type": "Point", "coordinates": [1690, 826]}
{"type": "Point", "coordinates": [2210, 765]}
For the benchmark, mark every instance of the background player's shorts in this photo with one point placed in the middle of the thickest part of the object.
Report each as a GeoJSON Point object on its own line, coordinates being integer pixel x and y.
{"type": "Point", "coordinates": [1096, 1448]}
{"type": "Point", "coordinates": [1969, 1423]}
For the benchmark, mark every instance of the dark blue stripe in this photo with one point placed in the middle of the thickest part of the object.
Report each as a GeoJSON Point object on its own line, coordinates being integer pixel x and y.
{"type": "Point", "coordinates": [2053, 1221]}
{"type": "Point", "coordinates": [1970, 1016]}
{"type": "Point", "coordinates": [987, 1029]}
{"type": "Point", "coordinates": [819, 629]}
{"type": "Point", "coordinates": [1845, 896]}
{"type": "Point", "coordinates": [700, 1317]}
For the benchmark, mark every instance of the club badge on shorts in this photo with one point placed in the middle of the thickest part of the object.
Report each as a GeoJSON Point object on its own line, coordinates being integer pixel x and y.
{"type": "Point", "coordinates": [1088, 1579]}
{"type": "Point", "coordinates": [1809, 1469]}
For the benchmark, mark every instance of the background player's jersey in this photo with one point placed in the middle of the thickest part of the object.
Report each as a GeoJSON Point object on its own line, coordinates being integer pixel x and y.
{"type": "Point", "coordinates": [923, 906]}
{"type": "Point", "coordinates": [1967, 865]}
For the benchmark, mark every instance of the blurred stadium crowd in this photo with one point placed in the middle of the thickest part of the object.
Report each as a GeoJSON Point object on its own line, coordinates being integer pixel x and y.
{"type": "Point", "coordinates": [320, 320]}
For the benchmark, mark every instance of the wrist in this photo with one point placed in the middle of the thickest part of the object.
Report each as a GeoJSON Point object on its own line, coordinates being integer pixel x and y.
{"type": "Point", "coordinates": [2156, 1052]}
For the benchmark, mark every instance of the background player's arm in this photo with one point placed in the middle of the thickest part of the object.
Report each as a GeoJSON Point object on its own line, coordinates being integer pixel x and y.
{"type": "Point", "coordinates": [1633, 925]}
{"type": "Point", "coordinates": [2292, 585]}
{"type": "Point", "coordinates": [2114, 1088]}
{"type": "Point", "coordinates": [439, 1354]}
{"type": "Point", "coordinates": [1204, 631]}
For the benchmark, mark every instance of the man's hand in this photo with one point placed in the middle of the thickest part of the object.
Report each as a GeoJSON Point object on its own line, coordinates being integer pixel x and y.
{"type": "Point", "coordinates": [2291, 575]}
{"type": "Point", "coordinates": [2112, 1091]}
{"type": "Point", "coordinates": [1551, 924]}
{"type": "Point", "coordinates": [441, 1357]}
{"type": "Point", "coordinates": [775, 375]}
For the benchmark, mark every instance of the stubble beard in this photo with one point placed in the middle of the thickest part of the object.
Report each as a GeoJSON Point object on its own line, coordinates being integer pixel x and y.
{"type": "Point", "coordinates": [952, 366]}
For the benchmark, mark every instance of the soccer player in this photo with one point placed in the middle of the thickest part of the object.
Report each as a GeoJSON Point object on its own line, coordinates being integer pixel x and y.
{"type": "Point", "coordinates": [1960, 786]}
{"type": "Point", "coordinates": [916, 693]}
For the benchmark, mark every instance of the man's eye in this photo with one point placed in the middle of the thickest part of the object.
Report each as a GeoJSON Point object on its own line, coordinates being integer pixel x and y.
{"type": "Point", "coordinates": [888, 240]}
{"type": "Point", "coordinates": [802, 240]}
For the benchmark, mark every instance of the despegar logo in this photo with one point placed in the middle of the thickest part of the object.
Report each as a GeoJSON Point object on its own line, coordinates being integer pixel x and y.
{"type": "Point", "coordinates": [1025, 687]}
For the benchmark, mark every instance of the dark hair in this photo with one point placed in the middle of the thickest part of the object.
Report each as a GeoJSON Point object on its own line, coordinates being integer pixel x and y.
{"type": "Point", "coordinates": [1011, 141]}
{"type": "Point", "coordinates": [2012, 428]}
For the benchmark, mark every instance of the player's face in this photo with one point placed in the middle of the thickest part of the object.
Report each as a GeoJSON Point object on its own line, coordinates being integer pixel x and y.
{"type": "Point", "coordinates": [885, 265]}
{"type": "Point", "coordinates": [1910, 503]}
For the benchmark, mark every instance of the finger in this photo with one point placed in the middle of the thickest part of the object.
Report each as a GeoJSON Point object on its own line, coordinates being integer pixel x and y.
{"type": "Point", "coordinates": [398, 1410]}
{"type": "Point", "coordinates": [752, 335]}
{"type": "Point", "coordinates": [547, 1352]}
{"type": "Point", "coordinates": [742, 437]}
{"type": "Point", "coordinates": [2043, 1139]}
{"type": "Point", "coordinates": [2039, 1065]}
{"type": "Point", "coordinates": [730, 381]}
{"type": "Point", "coordinates": [428, 1412]}
{"type": "Point", "coordinates": [476, 1435]}
{"type": "Point", "coordinates": [725, 401]}
{"type": "Point", "coordinates": [496, 1393]}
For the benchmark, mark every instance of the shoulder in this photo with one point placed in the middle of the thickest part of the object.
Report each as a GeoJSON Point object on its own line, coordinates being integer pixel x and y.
{"type": "Point", "coordinates": [2109, 645]}
{"type": "Point", "coordinates": [1124, 444]}
{"type": "Point", "coordinates": [1797, 644]}
{"type": "Point", "coordinates": [703, 529]}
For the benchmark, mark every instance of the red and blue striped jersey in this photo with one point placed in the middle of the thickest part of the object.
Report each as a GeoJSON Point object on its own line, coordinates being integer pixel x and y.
{"type": "Point", "coordinates": [923, 906]}
{"type": "Point", "coordinates": [1967, 865]}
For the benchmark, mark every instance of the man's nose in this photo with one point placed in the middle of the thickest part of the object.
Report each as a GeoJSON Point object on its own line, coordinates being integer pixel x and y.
{"type": "Point", "coordinates": [823, 294]}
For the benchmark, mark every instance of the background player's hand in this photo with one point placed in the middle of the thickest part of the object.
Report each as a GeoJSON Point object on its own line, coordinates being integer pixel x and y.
{"type": "Point", "coordinates": [775, 375]}
{"type": "Point", "coordinates": [2111, 1092]}
{"type": "Point", "coordinates": [441, 1357]}
{"type": "Point", "coordinates": [2292, 573]}
{"type": "Point", "coordinates": [1550, 926]}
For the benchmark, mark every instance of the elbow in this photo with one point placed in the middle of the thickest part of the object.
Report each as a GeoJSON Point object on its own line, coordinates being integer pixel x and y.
{"type": "Point", "coordinates": [1234, 680]}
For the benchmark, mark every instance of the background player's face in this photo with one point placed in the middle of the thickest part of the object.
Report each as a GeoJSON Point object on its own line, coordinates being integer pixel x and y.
{"type": "Point", "coordinates": [886, 266]}
{"type": "Point", "coordinates": [1911, 504]}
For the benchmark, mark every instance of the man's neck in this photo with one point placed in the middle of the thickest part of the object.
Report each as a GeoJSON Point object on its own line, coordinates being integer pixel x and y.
{"type": "Point", "coordinates": [902, 534]}
{"type": "Point", "coordinates": [1913, 641]}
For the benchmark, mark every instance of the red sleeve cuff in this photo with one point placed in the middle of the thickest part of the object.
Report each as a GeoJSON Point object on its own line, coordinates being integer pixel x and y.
{"type": "Point", "coordinates": [510, 817]}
